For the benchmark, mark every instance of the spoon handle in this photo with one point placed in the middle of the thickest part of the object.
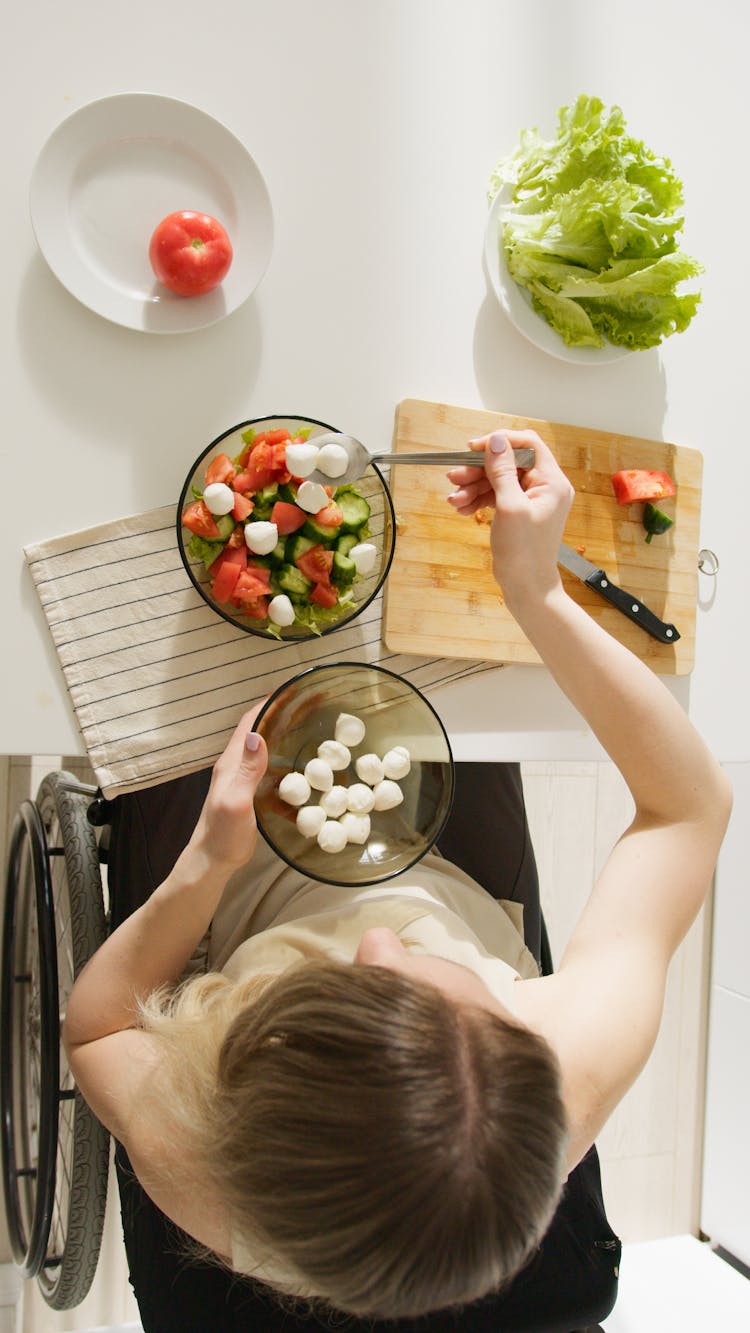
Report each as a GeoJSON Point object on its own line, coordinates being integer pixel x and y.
{"type": "Point", "coordinates": [465, 458]}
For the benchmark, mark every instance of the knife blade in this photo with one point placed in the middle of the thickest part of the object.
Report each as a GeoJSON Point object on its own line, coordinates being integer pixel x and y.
{"type": "Point", "coordinates": [626, 602]}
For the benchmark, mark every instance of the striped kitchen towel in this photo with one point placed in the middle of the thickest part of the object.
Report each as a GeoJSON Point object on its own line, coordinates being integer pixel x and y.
{"type": "Point", "coordinates": [157, 680]}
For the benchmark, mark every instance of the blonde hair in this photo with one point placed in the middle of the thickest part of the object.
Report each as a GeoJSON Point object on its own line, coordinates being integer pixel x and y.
{"type": "Point", "coordinates": [393, 1150]}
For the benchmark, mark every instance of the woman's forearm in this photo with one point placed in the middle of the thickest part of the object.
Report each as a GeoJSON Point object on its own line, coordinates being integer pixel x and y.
{"type": "Point", "coordinates": [149, 949]}
{"type": "Point", "coordinates": [669, 770]}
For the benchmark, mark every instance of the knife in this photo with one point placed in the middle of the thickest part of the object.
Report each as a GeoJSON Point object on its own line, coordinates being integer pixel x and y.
{"type": "Point", "coordinates": [630, 605]}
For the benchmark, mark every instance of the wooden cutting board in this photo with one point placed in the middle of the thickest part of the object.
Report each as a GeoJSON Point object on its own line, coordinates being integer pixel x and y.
{"type": "Point", "coordinates": [441, 599]}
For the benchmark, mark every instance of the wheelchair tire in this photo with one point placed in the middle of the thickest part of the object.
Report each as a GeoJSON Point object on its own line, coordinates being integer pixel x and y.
{"type": "Point", "coordinates": [54, 921]}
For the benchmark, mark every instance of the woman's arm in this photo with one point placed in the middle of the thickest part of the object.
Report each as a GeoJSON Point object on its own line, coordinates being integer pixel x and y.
{"type": "Point", "coordinates": [604, 1005]}
{"type": "Point", "coordinates": [153, 945]}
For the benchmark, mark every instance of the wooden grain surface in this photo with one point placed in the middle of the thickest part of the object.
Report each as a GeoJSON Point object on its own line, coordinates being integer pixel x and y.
{"type": "Point", "coordinates": [441, 599]}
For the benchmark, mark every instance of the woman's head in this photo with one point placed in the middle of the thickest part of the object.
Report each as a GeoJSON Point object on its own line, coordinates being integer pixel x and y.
{"type": "Point", "coordinates": [399, 1149]}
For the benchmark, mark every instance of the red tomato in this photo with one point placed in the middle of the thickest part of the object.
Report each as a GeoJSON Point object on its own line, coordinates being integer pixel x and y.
{"type": "Point", "coordinates": [242, 507]}
{"type": "Point", "coordinates": [253, 480]}
{"type": "Point", "coordinates": [269, 455]}
{"type": "Point", "coordinates": [330, 515]}
{"type": "Point", "coordinates": [324, 594]}
{"type": "Point", "coordinates": [256, 608]}
{"type": "Point", "coordinates": [198, 518]}
{"type": "Point", "coordinates": [641, 484]}
{"type": "Point", "coordinates": [226, 570]}
{"type": "Point", "coordinates": [221, 468]}
{"type": "Point", "coordinates": [316, 564]}
{"type": "Point", "coordinates": [253, 582]}
{"type": "Point", "coordinates": [287, 517]}
{"type": "Point", "coordinates": [190, 253]}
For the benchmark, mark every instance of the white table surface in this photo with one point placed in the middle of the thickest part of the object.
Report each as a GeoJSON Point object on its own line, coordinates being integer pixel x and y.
{"type": "Point", "coordinates": [376, 126]}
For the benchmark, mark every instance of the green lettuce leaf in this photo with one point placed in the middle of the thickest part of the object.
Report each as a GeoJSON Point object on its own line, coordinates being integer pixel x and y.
{"type": "Point", "coordinates": [200, 549]}
{"type": "Point", "coordinates": [590, 230]}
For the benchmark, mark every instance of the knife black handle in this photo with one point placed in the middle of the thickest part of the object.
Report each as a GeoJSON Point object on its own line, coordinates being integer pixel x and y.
{"type": "Point", "coordinates": [632, 607]}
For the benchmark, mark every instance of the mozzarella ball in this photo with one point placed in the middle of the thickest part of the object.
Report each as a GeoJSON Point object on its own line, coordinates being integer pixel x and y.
{"type": "Point", "coordinates": [294, 789]}
{"type": "Point", "coordinates": [364, 556]}
{"type": "Point", "coordinates": [397, 762]}
{"type": "Point", "coordinates": [369, 769]}
{"type": "Point", "coordinates": [332, 836]}
{"type": "Point", "coordinates": [280, 610]}
{"type": "Point", "coordinates": [336, 755]}
{"type": "Point", "coordinates": [386, 795]}
{"type": "Point", "coordinates": [333, 460]}
{"type": "Point", "coordinates": [311, 497]}
{"type": "Point", "coordinates": [334, 801]}
{"type": "Point", "coordinates": [349, 730]}
{"type": "Point", "coordinates": [301, 458]}
{"type": "Point", "coordinates": [219, 498]}
{"type": "Point", "coordinates": [310, 820]}
{"type": "Point", "coordinates": [359, 798]}
{"type": "Point", "coordinates": [356, 827]}
{"type": "Point", "coordinates": [319, 774]}
{"type": "Point", "coordinates": [261, 537]}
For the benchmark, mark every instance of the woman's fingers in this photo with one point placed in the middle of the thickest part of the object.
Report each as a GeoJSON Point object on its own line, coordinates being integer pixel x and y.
{"type": "Point", "coordinates": [234, 750]}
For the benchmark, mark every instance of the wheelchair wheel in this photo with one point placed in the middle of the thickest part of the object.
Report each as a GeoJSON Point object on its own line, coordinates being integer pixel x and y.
{"type": "Point", "coordinates": [55, 1154]}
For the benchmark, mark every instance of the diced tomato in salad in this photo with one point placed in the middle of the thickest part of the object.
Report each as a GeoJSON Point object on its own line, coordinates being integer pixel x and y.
{"type": "Point", "coordinates": [253, 479]}
{"type": "Point", "coordinates": [330, 516]}
{"type": "Point", "coordinates": [324, 594]}
{"type": "Point", "coordinates": [302, 563]}
{"type": "Point", "coordinates": [287, 517]}
{"type": "Point", "coordinates": [242, 508]}
{"type": "Point", "coordinates": [199, 520]}
{"type": "Point", "coordinates": [316, 564]}
{"type": "Point", "coordinates": [226, 570]}
{"type": "Point", "coordinates": [221, 468]}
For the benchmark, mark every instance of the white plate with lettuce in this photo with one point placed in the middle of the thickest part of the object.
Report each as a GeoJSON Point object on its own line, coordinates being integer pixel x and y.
{"type": "Point", "coordinates": [581, 247]}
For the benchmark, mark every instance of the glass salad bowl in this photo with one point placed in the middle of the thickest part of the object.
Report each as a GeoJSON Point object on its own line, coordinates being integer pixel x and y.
{"type": "Point", "coordinates": [306, 713]}
{"type": "Point", "coordinates": [318, 593]}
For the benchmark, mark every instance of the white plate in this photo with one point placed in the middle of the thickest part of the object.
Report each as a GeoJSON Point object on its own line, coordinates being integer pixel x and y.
{"type": "Point", "coordinates": [110, 172]}
{"type": "Point", "coordinates": [516, 301]}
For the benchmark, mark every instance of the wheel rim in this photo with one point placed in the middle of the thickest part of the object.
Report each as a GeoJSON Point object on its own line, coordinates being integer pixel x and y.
{"type": "Point", "coordinates": [29, 1044]}
{"type": "Point", "coordinates": [66, 1087]}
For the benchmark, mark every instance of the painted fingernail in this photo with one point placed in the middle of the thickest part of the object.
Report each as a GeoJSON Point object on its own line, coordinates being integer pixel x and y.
{"type": "Point", "coordinates": [252, 741]}
{"type": "Point", "coordinates": [498, 442]}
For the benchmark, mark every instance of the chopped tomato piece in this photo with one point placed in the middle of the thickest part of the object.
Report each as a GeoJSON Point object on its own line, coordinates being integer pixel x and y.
{"type": "Point", "coordinates": [268, 455]}
{"type": "Point", "coordinates": [237, 538]}
{"type": "Point", "coordinates": [253, 479]}
{"type": "Point", "coordinates": [638, 484]}
{"type": "Point", "coordinates": [254, 607]}
{"type": "Point", "coordinates": [330, 515]}
{"type": "Point", "coordinates": [226, 570]}
{"type": "Point", "coordinates": [242, 507]}
{"type": "Point", "coordinates": [223, 586]}
{"type": "Point", "coordinates": [324, 594]}
{"type": "Point", "coordinates": [316, 564]}
{"type": "Point", "coordinates": [287, 517]}
{"type": "Point", "coordinates": [254, 581]}
{"type": "Point", "coordinates": [231, 555]}
{"type": "Point", "coordinates": [198, 518]}
{"type": "Point", "coordinates": [263, 437]}
{"type": "Point", "coordinates": [221, 468]}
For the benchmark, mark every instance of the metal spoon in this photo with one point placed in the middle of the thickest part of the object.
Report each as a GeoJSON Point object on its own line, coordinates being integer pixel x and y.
{"type": "Point", "coordinates": [360, 458]}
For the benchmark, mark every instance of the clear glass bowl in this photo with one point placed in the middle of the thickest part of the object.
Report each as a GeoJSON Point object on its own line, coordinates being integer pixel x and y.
{"type": "Point", "coordinates": [301, 714]}
{"type": "Point", "coordinates": [381, 523]}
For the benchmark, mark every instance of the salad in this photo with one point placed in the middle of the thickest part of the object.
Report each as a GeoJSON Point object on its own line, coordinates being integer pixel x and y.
{"type": "Point", "coordinates": [278, 548]}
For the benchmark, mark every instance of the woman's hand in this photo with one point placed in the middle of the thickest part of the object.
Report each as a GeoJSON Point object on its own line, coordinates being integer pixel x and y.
{"type": "Point", "coordinates": [531, 507]}
{"type": "Point", "coordinates": [226, 831]}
